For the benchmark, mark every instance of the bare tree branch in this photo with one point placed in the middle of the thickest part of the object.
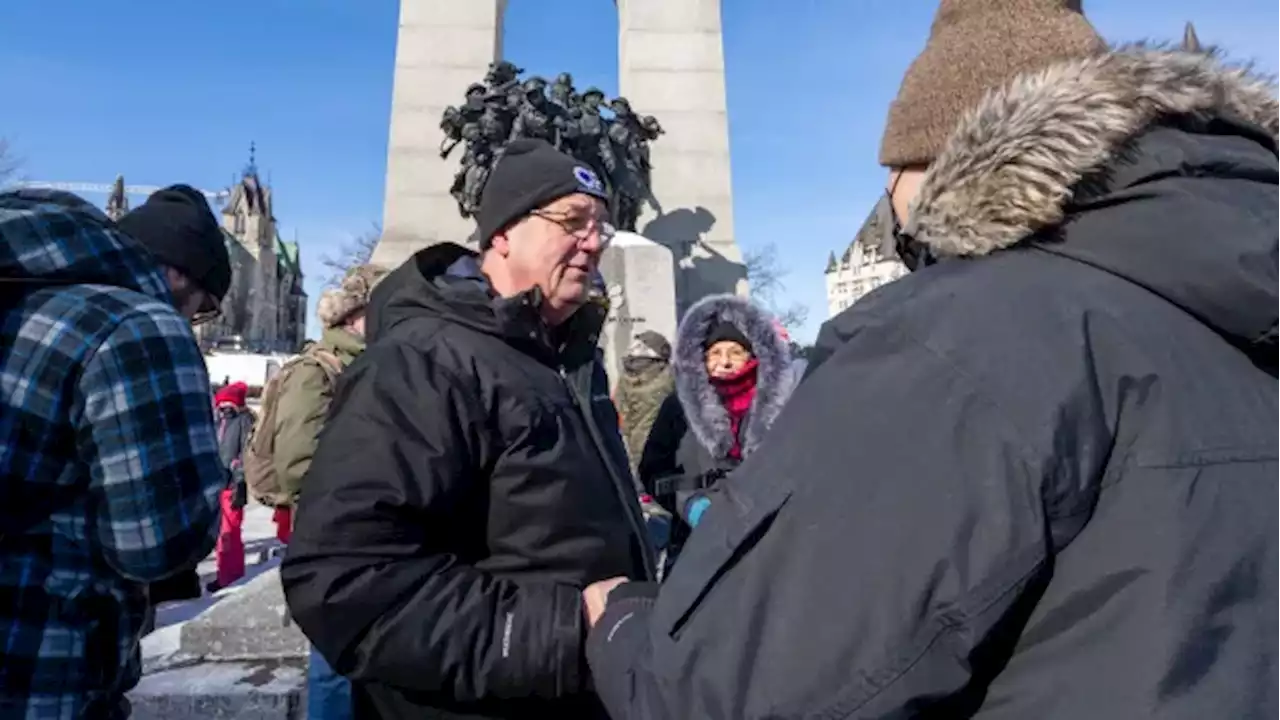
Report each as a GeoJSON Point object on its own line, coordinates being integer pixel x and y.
{"type": "Point", "coordinates": [766, 275]}
{"type": "Point", "coordinates": [9, 163]}
{"type": "Point", "coordinates": [357, 251]}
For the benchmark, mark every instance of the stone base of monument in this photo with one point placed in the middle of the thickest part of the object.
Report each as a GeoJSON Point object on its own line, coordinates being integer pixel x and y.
{"type": "Point", "coordinates": [242, 658]}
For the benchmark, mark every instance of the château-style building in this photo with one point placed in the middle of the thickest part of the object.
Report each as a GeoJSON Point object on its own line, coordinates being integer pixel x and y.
{"type": "Point", "coordinates": [863, 267]}
{"type": "Point", "coordinates": [266, 308]}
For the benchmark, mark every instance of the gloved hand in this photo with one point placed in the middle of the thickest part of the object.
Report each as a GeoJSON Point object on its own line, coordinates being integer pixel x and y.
{"type": "Point", "coordinates": [239, 490]}
{"type": "Point", "coordinates": [710, 478]}
{"type": "Point", "coordinates": [694, 509]}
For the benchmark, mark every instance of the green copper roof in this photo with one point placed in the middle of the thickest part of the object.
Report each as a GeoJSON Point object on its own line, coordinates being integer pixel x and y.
{"type": "Point", "coordinates": [288, 254]}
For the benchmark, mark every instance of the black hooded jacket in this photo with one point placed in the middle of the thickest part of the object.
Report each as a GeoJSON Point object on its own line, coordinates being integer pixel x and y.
{"type": "Point", "coordinates": [469, 483]}
{"type": "Point", "coordinates": [1034, 480]}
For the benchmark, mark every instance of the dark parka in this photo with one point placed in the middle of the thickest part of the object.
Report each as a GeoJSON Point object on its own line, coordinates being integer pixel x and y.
{"type": "Point", "coordinates": [469, 483]}
{"type": "Point", "coordinates": [1034, 480]}
{"type": "Point", "coordinates": [692, 435]}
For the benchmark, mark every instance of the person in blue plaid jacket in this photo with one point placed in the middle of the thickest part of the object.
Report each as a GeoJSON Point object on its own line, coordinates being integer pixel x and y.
{"type": "Point", "coordinates": [109, 470]}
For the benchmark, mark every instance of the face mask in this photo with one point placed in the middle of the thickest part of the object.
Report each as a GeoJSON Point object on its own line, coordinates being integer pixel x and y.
{"type": "Point", "coordinates": [914, 254]}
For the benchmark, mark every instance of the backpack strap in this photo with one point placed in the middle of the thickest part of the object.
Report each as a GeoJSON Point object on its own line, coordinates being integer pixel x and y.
{"type": "Point", "coordinates": [329, 363]}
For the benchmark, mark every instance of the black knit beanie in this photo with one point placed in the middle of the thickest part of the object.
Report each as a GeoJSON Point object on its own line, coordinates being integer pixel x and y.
{"type": "Point", "coordinates": [530, 174]}
{"type": "Point", "coordinates": [725, 330]}
{"type": "Point", "coordinates": [178, 228]}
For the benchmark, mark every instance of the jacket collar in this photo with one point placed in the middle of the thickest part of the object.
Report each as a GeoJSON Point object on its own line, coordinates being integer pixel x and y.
{"type": "Point", "coordinates": [344, 343]}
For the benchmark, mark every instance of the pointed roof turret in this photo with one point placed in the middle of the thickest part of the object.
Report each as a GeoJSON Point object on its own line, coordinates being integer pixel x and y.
{"type": "Point", "coordinates": [117, 201]}
{"type": "Point", "coordinates": [1190, 42]}
{"type": "Point", "coordinates": [831, 262]}
{"type": "Point", "coordinates": [249, 194]}
{"type": "Point", "coordinates": [252, 167]}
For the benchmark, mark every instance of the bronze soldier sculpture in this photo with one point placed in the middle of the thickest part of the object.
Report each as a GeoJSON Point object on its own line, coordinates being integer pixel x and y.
{"type": "Point", "coordinates": [562, 92]}
{"type": "Point", "coordinates": [503, 108]}
{"type": "Point", "coordinates": [535, 116]}
{"type": "Point", "coordinates": [591, 136]}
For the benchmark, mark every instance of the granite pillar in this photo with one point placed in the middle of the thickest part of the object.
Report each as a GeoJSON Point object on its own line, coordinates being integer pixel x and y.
{"type": "Point", "coordinates": [671, 66]}
{"type": "Point", "coordinates": [642, 294]}
{"type": "Point", "coordinates": [442, 47]}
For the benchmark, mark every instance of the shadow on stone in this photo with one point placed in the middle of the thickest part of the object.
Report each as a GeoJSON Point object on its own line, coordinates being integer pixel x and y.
{"type": "Point", "coordinates": [680, 226]}
{"type": "Point", "coordinates": [700, 269]}
{"type": "Point", "coordinates": [709, 272]}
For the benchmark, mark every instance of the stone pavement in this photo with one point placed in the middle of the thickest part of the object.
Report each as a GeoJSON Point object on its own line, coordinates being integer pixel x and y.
{"type": "Point", "coordinates": [235, 654]}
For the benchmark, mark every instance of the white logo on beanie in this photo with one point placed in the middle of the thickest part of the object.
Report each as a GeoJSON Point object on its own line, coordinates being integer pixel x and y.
{"type": "Point", "coordinates": [587, 179]}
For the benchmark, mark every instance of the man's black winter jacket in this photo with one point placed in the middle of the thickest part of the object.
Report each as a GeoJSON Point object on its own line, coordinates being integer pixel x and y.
{"type": "Point", "coordinates": [469, 482]}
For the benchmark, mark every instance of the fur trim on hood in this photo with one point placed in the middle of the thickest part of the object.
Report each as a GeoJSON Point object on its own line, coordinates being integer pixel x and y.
{"type": "Point", "coordinates": [703, 409]}
{"type": "Point", "coordinates": [1014, 161]}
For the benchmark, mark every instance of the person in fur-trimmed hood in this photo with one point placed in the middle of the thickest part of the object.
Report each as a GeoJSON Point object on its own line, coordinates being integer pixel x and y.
{"type": "Point", "coordinates": [1036, 477]}
{"type": "Point", "coordinates": [732, 377]}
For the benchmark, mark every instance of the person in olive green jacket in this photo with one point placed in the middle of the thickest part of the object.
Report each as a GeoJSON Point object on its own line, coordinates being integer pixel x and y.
{"type": "Point", "coordinates": [646, 381]}
{"type": "Point", "coordinates": [303, 406]}
{"type": "Point", "coordinates": [305, 392]}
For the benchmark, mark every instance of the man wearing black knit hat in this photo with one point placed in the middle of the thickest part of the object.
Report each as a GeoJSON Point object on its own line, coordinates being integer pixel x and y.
{"type": "Point", "coordinates": [178, 230]}
{"type": "Point", "coordinates": [536, 211]}
{"type": "Point", "coordinates": [177, 227]}
{"type": "Point", "coordinates": [472, 479]}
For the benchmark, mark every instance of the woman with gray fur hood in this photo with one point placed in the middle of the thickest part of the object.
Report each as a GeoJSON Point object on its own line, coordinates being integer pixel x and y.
{"type": "Point", "coordinates": [732, 376]}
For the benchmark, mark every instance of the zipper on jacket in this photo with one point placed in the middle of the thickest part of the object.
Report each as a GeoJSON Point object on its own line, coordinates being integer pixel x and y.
{"type": "Point", "coordinates": [573, 393]}
{"type": "Point", "coordinates": [598, 443]}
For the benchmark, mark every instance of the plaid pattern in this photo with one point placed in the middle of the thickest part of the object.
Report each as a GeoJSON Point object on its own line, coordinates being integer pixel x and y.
{"type": "Point", "coordinates": [109, 470]}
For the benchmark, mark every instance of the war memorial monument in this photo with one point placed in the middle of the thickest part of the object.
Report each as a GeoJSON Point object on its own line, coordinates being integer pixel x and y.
{"type": "Point", "coordinates": [662, 146]}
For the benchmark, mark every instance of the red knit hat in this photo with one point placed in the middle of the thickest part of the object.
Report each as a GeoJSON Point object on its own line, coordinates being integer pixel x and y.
{"type": "Point", "coordinates": [233, 394]}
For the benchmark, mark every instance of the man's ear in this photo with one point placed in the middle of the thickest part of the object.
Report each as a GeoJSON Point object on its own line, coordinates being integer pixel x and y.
{"type": "Point", "coordinates": [501, 244]}
{"type": "Point", "coordinates": [174, 277]}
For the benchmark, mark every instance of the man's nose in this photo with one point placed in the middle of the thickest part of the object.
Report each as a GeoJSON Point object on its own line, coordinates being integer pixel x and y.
{"type": "Point", "coordinates": [591, 243]}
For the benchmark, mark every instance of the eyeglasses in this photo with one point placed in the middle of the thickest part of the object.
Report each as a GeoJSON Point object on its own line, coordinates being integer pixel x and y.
{"type": "Point", "coordinates": [580, 226]}
{"type": "Point", "coordinates": [206, 313]}
{"type": "Point", "coordinates": [734, 353]}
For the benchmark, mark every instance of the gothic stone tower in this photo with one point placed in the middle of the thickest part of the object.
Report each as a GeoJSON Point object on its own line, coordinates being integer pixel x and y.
{"type": "Point", "coordinates": [248, 217]}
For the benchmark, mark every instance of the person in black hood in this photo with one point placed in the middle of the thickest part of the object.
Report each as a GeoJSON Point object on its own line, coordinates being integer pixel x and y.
{"type": "Point", "coordinates": [471, 479]}
{"type": "Point", "coordinates": [1036, 477]}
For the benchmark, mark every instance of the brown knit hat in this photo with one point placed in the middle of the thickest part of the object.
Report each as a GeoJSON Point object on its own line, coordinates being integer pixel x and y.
{"type": "Point", "coordinates": [975, 46]}
{"type": "Point", "coordinates": [338, 304]}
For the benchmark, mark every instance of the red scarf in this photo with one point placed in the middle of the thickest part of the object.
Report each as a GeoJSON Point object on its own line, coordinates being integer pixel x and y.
{"type": "Point", "coordinates": [736, 393]}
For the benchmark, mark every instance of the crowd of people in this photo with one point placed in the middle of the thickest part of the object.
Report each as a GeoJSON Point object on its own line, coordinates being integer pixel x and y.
{"type": "Point", "coordinates": [1036, 477]}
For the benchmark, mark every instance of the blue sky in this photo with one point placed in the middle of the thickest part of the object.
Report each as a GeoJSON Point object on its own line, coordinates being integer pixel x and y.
{"type": "Point", "coordinates": [174, 91]}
